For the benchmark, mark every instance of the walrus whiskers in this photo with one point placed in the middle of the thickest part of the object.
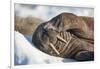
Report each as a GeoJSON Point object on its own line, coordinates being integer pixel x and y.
{"type": "Point", "coordinates": [68, 41]}
{"type": "Point", "coordinates": [53, 47]}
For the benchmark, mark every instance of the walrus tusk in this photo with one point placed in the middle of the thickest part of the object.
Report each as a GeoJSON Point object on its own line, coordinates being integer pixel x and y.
{"type": "Point", "coordinates": [60, 38]}
{"type": "Point", "coordinates": [53, 47]}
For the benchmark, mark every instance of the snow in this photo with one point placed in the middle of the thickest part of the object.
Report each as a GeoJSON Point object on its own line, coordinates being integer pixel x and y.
{"type": "Point", "coordinates": [26, 53]}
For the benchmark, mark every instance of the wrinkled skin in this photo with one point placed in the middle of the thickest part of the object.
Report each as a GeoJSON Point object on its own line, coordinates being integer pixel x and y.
{"type": "Point", "coordinates": [80, 47]}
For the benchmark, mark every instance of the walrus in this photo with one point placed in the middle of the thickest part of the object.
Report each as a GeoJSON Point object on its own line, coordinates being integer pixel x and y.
{"type": "Point", "coordinates": [65, 35]}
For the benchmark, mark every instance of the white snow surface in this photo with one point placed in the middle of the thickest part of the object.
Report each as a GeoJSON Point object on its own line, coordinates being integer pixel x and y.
{"type": "Point", "coordinates": [26, 53]}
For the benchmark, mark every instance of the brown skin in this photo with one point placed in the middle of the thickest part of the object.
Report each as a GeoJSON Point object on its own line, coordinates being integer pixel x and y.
{"type": "Point", "coordinates": [80, 47]}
